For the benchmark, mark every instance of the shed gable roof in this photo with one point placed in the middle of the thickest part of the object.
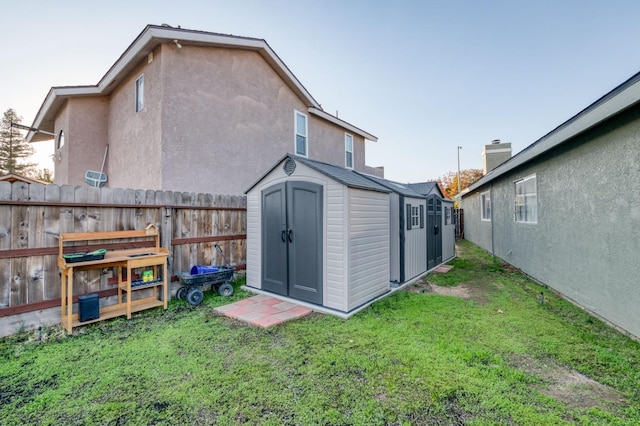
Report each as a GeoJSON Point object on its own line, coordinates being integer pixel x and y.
{"type": "Point", "coordinates": [344, 176]}
{"type": "Point", "coordinates": [150, 38]}
{"type": "Point", "coordinates": [398, 188]}
{"type": "Point", "coordinates": [426, 188]}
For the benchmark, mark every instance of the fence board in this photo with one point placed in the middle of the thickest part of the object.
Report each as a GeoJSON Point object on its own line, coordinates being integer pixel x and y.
{"type": "Point", "coordinates": [29, 230]}
{"type": "Point", "coordinates": [35, 239]}
{"type": "Point", "coordinates": [5, 244]}
{"type": "Point", "coordinates": [19, 240]}
{"type": "Point", "coordinates": [51, 282]}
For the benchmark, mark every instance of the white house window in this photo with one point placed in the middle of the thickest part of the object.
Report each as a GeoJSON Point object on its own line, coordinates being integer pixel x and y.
{"type": "Point", "coordinates": [140, 93]}
{"type": "Point", "coordinates": [301, 134]}
{"type": "Point", "coordinates": [485, 205]}
{"type": "Point", "coordinates": [526, 200]}
{"type": "Point", "coordinates": [60, 139]}
{"type": "Point", "coordinates": [348, 151]}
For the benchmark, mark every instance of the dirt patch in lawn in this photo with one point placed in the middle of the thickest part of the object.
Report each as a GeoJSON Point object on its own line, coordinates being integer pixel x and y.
{"type": "Point", "coordinates": [568, 386]}
{"type": "Point", "coordinates": [467, 291]}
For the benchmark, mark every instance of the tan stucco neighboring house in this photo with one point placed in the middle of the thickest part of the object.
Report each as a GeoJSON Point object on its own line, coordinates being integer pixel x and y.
{"type": "Point", "coordinates": [187, 110]}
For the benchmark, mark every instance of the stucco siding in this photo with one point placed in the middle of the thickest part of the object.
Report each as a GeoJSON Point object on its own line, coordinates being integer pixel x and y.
{"type": "Point", "coordinates": [134, 137]}
{"type": "Point", "coordinates": [232, 118]}
{"type": "Point", "coordinates": [476, 230]}
{"type": "Point", "coordinates": [61, 155]}
{"type": "Point", "coordinates": [368, 246]}
{"type": "Point", "coordinates": [84, 122]}
{"type": "Point", "coordinates": [585, 243]}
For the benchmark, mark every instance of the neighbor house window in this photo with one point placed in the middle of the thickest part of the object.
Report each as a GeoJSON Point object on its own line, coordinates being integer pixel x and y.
{"type": "Point", "coordinates": [526, 208]}
{"type": "Point", "coordinates": [301, 134]}
{"type": "Point", "coordinates": [415, 216]}
{"type": "Point", "coordinates": [485, 205]}
{"type": "Point", "coordinates": [348, 151]}
{"type": "Point", "coordinates": [140, 93]}
{"type": "Point", "coordinates": [60, 139]}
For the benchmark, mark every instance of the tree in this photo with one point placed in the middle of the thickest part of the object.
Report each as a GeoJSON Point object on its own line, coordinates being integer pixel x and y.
{"type": "Point", "coordinates": [467, 178]}
{"type": "Point", "coordinates": [44, 175]}
{"type": "Point", "coordinates": [13, 147]}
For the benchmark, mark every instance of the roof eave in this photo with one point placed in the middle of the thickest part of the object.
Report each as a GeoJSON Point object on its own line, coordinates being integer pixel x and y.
{"type": "Point", "coordinates": [335, 120]}
{"type": "Point", "coordinates": [149, 39]}
{"type": "Point", "coordinates": [614, 102]}
{"type": "Point", "coordinates": [45, 118]}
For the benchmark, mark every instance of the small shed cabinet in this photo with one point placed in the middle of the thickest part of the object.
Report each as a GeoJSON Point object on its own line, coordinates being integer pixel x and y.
{"type": "Point", "coordinates": [318, 233]}
{"type": "Point", "coordinates": [408, 231]}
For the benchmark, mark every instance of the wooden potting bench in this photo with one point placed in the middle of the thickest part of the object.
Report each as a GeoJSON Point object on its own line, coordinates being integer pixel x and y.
{"type": "Point", "coordinates": [151, 258]}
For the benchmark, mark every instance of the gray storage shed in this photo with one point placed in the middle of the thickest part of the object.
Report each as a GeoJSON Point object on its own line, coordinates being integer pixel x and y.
{"type": "Point", "coordinates": [408, 231]}
{"type": "Point", "coordinates": [318, 233]}
{"type": "Point", "coordinates": [441, 225]}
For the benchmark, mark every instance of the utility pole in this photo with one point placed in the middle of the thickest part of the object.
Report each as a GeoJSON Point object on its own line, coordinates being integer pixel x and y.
{"type": "Point", "coordinates": [459, 148]}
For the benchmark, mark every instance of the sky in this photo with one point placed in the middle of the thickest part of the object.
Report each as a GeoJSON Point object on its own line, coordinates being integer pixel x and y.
{"type": "Point", "coordinates": [423, 76]}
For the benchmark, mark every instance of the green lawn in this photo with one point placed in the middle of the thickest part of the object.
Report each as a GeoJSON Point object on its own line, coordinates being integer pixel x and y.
{"type": "Point", "coordinates": [495, 355]}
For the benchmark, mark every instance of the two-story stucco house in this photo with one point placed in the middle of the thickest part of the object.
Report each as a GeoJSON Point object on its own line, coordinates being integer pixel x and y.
{"type": "Point", "coordinates": [192, 111]}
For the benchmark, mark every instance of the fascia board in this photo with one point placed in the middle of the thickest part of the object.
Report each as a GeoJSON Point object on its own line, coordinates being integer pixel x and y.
{"type": "Point", "coordinates": [54, 99]}
{"type": "Point", "coordinates": [147, 41]}
{"type": "Point", "coordinates": [587, 119]}
{"type": "Point", "coordinates": [156, 35]}
{"type": "Point", "coordinates": [320, 113]}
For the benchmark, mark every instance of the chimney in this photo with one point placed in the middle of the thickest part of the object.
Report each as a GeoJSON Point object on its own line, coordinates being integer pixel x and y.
{"type": "Point", "coordinates": [494, 154]}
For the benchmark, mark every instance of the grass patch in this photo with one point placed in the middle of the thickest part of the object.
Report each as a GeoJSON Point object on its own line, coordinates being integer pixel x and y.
{"type": "Point", "coordinates": [412, 358]}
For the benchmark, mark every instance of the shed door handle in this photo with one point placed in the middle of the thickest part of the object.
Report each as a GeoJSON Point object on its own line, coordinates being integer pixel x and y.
{"type": "Point", "coordinates": [283, 235]}
{"type": "Point", "coordinates": [290, 234]}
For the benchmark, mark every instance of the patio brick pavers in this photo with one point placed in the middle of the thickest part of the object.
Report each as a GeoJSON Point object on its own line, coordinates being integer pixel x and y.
{"type": "Point", "coordinates": [263, 310]}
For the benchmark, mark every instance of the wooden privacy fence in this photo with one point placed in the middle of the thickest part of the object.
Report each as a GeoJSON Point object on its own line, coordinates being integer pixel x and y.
{"type": "Point", "coordinates": [32, 216]}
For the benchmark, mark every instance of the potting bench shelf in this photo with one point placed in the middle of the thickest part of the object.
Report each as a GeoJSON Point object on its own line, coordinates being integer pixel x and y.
{"type": "Point", "coordinates": [153, 259]}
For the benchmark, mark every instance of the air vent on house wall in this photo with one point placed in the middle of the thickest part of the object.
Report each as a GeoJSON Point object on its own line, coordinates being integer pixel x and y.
{"type": "Point", "coordinates": [289, 166]}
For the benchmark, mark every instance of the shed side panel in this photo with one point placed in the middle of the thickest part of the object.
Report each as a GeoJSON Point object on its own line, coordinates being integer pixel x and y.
{"type": "Point", "coordinates": [368, 246]}
{"type": "Point", "coordinates": [254, 235]}
{"type": "Point", "coordinates": [394, 237]}
{"type": "Point", "coordinates": [335, 247]}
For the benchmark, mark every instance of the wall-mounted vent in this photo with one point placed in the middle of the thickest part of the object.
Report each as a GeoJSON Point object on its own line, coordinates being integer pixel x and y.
{"type": "Point", "coordinates": [289, 166]}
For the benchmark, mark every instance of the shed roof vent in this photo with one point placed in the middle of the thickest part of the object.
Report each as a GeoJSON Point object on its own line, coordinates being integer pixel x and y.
{"type": "Point", "coordinates": [289, 166]}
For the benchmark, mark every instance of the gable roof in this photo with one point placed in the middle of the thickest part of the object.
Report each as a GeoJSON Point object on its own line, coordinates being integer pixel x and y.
{"type": "Point", "coordinates": [614, 102]}
{"type": "Point", "coordinates": [11, 178]}
{"type": "Point", "coordinates": [398, 188]}
{"type": "Point", "coordinates": [344, 176]}
{"type": "Point", "coordinates": [426, 188]}
{"type": "Point", "coordinates": [149, 39]}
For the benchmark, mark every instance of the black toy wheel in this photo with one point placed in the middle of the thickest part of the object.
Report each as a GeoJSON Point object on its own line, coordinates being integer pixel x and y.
{"type": "Point", "coordinates": [225, 290]}
{"type": "Point", "coordinates": [181, 294]}
{"type": "Point", "coordinates": [194, 296]}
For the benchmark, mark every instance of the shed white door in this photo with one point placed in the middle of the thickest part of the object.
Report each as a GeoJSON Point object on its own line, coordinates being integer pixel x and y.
{"type": "Point", "coordinates": [292, 240]}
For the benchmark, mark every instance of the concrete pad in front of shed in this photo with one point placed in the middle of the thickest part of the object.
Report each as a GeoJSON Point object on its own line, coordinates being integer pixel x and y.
{"type": "Point", "coordinates": [263, 311]}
